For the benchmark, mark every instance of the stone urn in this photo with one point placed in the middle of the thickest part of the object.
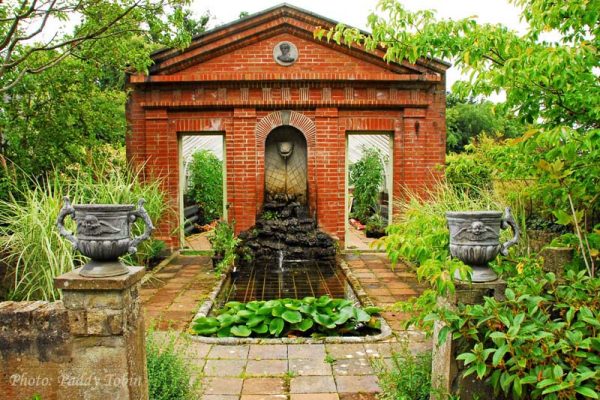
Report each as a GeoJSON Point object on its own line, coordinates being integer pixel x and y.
{"type": "Point", "coordinates": [475, 239]}
{"type": "Point", "coordinates": [103, 234]}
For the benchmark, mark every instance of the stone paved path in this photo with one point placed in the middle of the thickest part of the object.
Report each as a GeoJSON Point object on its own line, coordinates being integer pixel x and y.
{"type": "Point", "coordinates": [282, 371]}
{"type": "Point", "coordinates": [171, 299]}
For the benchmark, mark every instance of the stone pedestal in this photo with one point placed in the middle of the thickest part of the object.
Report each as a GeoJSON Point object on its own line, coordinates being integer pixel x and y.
{"type": "Point", "coordinates": [107, 327]}
{"type": "Point", "coordinates": [555, 259]}
{"type": "Point", "coordinates": [447, 373]}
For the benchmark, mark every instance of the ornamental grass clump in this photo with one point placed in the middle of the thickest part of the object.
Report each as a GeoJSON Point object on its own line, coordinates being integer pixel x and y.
{"type": "Point", "coordinates": [29, 239]}
{"type": "Point", "coordinates": [314, 317]}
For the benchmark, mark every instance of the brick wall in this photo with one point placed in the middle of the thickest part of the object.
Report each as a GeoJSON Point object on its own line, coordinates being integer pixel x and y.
{"type": "Point", "coordinates": [228, 82]}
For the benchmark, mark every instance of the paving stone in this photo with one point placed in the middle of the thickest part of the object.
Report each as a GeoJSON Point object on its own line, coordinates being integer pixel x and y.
{"type": "Point", "coordinates": [264, 397]}
{"type": "Point", "coordinates": [343, 350]}
{"type": "Point", "coordinates": [229, 352]}
{"type": "Point", "coordinates": [263, 386]}
{"type": "Point", "coordinates": [315, 396]}
{"type": "Point", "coordinates": [357, 384]}
{"type": "Point", "coordinates": [197, 350]}
{"type": "Point", "coordinates": [266, 367]}
{"type": "Point", "coordinates": [268, 352]}
{"type": "Point", "coordinates": [219, 397]}
{"type": "Point", "coordinates": [353, 366]}
{"type": "Point", "coordinates": [224, 367]}
{"type": "Point", "coordinates": [312, 384]}
{"type": "Point", "coordinates": [309, 366]}
{"type": "Point", "coordinates": [306, 351]}
{"type": "Point", "coordinates": [378, 349]}
{"type": "Point", "coordinates": [221, 386]}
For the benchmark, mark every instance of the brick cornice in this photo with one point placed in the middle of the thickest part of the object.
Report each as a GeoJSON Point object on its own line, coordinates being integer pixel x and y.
{"type": "Point", "coordinates": [276, 77]}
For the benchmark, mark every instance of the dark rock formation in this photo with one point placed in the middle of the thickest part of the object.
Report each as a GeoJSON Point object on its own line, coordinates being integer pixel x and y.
{"type": "Point", "coordinates": [285, 228]}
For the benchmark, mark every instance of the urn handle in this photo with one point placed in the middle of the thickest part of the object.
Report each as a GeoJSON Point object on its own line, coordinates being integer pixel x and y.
{"type": "Point", "coordinates": [140, 213]}
{"type": "Point", "coordinates": [509, 221]}
{"type": "Point", "coordinates": [67, 209]}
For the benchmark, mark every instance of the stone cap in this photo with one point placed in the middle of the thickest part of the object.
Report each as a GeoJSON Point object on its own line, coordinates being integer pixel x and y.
{"type": "Point", "coordinates": [73, 281]}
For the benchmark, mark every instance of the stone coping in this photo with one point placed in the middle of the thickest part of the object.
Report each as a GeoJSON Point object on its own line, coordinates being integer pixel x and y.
{"type": "Point", "coordinates": [386, 330]}
{"type": "Point", "coordinates": [73, 281]}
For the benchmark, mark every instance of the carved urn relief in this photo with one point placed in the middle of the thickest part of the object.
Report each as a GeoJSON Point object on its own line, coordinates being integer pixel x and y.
{"type": "Point", "coordinates": [103, 234]}
{"type": "Point", "coordinates": [475, 239]}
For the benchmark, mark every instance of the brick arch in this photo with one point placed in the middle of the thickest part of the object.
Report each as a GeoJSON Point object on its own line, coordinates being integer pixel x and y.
{"type": "Point", "coordinates": [308, 128]}
{"type": "Point", "coordinates": [286, 118]}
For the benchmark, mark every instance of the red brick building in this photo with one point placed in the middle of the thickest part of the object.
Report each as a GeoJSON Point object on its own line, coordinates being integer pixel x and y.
{"type": "Point", "coordinates": [236, 80]}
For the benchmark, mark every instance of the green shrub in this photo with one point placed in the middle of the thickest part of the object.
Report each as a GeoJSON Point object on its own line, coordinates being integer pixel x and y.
{"type": "Point", "coordinates": [407, 378]}
{"type": "Point", "coordinates": [169, 373]}
{"type": "Point", "coordinates": [542, 342]}
{"type": "Point", "coordinates": [206, 184]}
{"type": "Point", "coordinates": [310, 316]}
{"type": "Point", "coordinates": [367, 176]}
{"type": "Point", "coordinates": [31, 240]}
{"type": "Point", "coordinates": [468, 172]}
{"type": "Point", "coordinates": [224, 243]}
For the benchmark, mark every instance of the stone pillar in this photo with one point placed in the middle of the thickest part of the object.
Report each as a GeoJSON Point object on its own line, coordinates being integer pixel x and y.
{"type": "Point", "coordinates": [446, 372]}
{"type": "Point", "coordinates": [108, 343]}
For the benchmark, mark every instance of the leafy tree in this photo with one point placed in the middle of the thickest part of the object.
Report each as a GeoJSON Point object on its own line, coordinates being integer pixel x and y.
{"type": "Point", "coordinates": [550, 82]}
{"type": "Point", "coordinates": [206, 184]}
{"type": "Point", "coordinates": [26, 32]}
{"type": "Point", "coordinates": [62, 101]}
{"type": "Point", "coordinates": [467, 120]}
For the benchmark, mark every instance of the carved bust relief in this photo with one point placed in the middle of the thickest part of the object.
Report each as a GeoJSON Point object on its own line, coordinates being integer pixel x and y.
{"type": "Point", "coordinates": [285, 53]}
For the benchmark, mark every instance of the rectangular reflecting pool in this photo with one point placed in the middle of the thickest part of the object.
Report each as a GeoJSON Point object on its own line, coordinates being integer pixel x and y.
{"type": "Point", "coordinates": [289, 279]}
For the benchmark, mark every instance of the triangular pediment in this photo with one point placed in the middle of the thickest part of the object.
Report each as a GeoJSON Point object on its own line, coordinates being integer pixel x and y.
{"type": "Point", "coordinates": [247, 46]}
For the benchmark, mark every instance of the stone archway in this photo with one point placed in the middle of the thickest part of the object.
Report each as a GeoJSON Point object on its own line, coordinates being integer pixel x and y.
{"type": "Point", "coordinates": [307, 128]}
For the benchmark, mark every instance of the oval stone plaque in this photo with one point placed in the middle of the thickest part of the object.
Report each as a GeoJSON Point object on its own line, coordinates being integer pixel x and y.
{"type": "Point", "coordinates": [285, 53]}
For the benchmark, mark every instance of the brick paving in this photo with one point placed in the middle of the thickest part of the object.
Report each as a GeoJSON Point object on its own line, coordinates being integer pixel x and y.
{"type": "Point", "coordinates": [172, 297]}
{"type": "Point", "coordinates": [282, 371]}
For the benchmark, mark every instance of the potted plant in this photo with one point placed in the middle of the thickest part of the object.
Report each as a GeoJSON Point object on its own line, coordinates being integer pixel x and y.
{"type": "Point", "coordinates": [375, 227]}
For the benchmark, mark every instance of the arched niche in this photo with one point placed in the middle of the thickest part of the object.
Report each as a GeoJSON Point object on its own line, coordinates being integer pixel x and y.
{"type": "Point", "coordinates": [286, 164]}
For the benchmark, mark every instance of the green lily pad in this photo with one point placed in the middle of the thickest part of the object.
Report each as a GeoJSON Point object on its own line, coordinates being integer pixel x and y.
{"type": "Point", "coordinates": [262, 328]}
{"type": "Point", "coordinates": [304, 325]}
{"type": "Point", "coordinates": [255, 320]}
{"type": "Point", "coordinates": [292, 316]}
{"type": "Point", "coordinates": [276, 326]}
{"type": "Point", "coordinates": [361, 315]}
{"type": "Point", "coordinates": [241, 330]}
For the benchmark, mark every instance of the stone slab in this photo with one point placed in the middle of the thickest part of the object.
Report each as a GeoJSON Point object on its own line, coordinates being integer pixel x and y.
{"type": "Point", "coordinates": [73, 281]}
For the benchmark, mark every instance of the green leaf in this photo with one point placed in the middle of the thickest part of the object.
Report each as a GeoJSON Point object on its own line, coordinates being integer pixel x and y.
{"type": "Point", "coordinates": [361, 315]}
{"type": "Point", "coordinates": [304, 325]}
{"type": "Point", "coordinates": [255, 320]}
{"type": "Point", "coordinates": [292, 316]}
{"type": "Point", "coordinates": [261, 329]}
{"type": "Point", "coordinates": [324, 320]}
{"type": "Point", "coordinates": [241, 330]}
{"type": "Point", "coordinates": [499, 355]}
{"type": "Point", "coordinates": [562, 217]}
{"type": "Point", "coordinates": [587, 392]}
{"type": "Point", "coordinates": [276, 326]}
